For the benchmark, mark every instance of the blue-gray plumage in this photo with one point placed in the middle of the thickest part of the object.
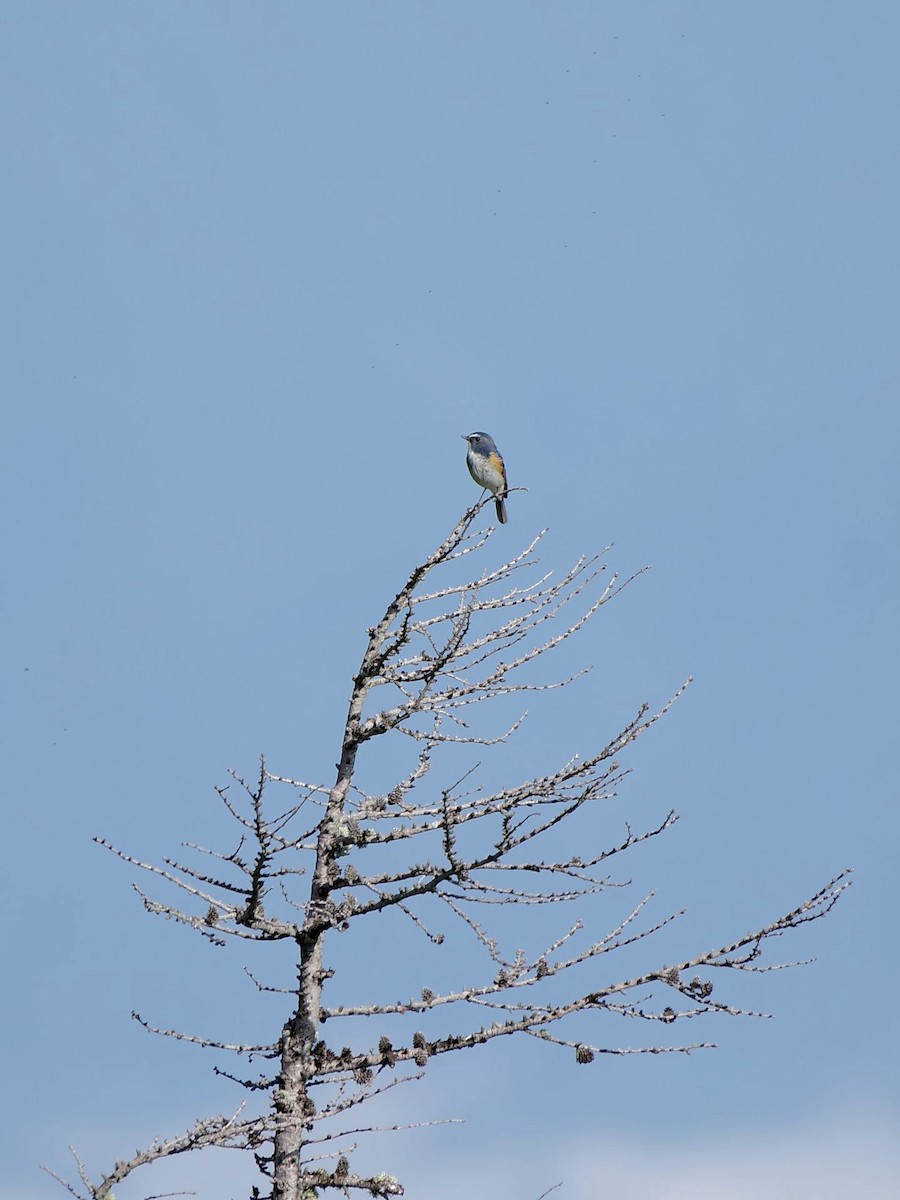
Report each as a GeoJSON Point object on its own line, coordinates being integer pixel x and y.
{"type": "Point", "coordinates": [487, 468]}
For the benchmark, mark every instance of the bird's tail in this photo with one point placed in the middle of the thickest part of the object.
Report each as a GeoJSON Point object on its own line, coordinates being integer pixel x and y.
{"type": "Point", "coordinates": [500, 505]}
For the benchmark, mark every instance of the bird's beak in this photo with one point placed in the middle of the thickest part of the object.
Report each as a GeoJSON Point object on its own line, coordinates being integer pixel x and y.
{"type": "Point", "coordinates": [464, 436]}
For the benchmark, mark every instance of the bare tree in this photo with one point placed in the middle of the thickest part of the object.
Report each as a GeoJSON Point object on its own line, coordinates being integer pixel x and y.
{"type": "Point", "coordinates": [337, 855]}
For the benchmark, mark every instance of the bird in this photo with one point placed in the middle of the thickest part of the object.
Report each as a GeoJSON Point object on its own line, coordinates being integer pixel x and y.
{"type": "Point", "coordinates": [487, 468]}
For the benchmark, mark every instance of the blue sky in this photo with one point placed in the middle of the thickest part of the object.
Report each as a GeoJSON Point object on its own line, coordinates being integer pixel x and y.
{"type": "Point", "coordinates": [263, 265]}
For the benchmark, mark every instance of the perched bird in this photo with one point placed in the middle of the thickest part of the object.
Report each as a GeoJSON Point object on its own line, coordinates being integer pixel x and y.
{"type": "Point", "coordinates": [487, 468]}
